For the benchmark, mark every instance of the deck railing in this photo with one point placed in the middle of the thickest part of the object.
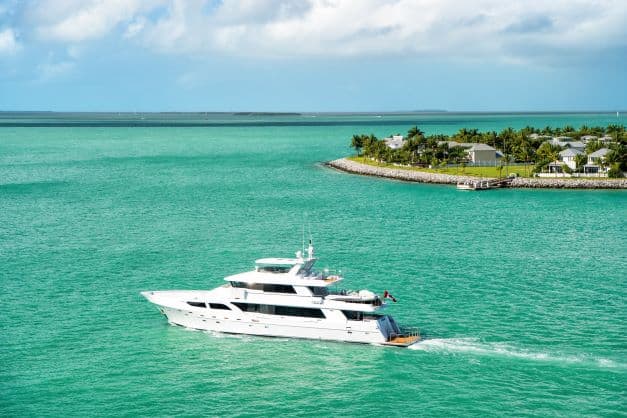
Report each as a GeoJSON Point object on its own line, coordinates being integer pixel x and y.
{"type": "Point", "coordinates": [405, 332]}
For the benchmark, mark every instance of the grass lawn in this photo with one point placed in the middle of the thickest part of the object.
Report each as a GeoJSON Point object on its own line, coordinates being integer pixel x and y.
{"type": "Point", "coordinates": [467, 171]}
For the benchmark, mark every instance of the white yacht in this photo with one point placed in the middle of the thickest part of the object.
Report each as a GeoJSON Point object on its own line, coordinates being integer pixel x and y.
{"type": "Point", "coordinates": [285, 297]}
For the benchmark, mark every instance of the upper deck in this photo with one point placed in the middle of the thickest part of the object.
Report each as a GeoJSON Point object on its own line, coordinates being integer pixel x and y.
{"type": "Point", "coordinates": [287, 271]}
{"type": "Point", "coordinates": [297, 271]}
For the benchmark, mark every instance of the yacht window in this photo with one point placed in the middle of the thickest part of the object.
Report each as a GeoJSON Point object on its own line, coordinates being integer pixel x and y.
{"type": "Point", "coordinates": [239, 284]}
{"type": "Point", "coordinates": [219, 306]}
{"type": "Point", "coordinates": [353, 315]}
{"type": "Point", "coordinates": [197, 304]}
{"type": "Point", "coordinates": [274, 288]}
{"type": "Point", "coordinates": [296, 311]}
{"type": "Point", "coordinates": [319, 291]}
{"type": "Point", "coordinates": [280, 310]}
{"type": "Point", "coordinates": [274, 269]}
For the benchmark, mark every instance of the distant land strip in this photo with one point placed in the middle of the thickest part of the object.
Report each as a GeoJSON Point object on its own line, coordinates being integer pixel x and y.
{"type": "Point", "coordinates": [202, 124]}
{"type": "Point", "coordinates": [354, 167]}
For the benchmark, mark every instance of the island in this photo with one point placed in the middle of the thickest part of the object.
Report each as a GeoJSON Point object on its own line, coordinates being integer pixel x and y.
{"type": "Point", "coordinates": [588, 157]}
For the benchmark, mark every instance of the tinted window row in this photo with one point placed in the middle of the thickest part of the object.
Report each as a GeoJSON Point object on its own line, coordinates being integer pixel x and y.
{"type": "Point", "coordinates": [280, 310]}
{"type": "Point", "coordinates": [211, 305]}
{"type": "Point", "coordinates": [275, 288]}
{"type": "Point", "coordinates": [360, 316]}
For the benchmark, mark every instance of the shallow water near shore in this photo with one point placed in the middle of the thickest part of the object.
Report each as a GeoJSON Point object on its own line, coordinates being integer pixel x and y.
{"type": "Point", "coordinates": [521, 295]}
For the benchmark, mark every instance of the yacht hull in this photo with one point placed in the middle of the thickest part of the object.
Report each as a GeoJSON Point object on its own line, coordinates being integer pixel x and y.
{"type": "Point", "coordinates": [256, 325]}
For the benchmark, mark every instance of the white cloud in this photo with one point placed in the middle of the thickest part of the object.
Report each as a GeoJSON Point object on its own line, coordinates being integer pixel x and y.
{"type": "Point", "coordinates": [487, 29]}
{"type": "Point", "coordinates": [135, 27]}
{"type": "Point", "coordinates": [8, 42]}
{"type": "Point", "coordinates": [81, 20]}
{"type": "Point", "coordinates": [483, 30]}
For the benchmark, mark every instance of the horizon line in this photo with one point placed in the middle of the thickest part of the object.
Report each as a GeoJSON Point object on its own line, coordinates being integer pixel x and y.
{"type": "Point", "coordinates": [343, 112]}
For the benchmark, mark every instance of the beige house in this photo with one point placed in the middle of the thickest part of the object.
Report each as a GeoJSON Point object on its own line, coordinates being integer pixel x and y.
{"type": "Point", "coordinates": [483, 154]}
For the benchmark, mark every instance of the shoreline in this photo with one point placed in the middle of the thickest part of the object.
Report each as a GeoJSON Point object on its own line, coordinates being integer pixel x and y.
{"type": "Point", "coordinates": [346, 165]}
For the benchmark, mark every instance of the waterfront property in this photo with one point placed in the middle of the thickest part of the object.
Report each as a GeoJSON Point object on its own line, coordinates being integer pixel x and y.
{"type": "Point", "coordinates": [483, 154]}
{"type": "Point", "coordinates": [395, 142]}
{"type": "Point", "coordinates": [568, 156]}
{"type": "Point", "coordinates": [564, 154]}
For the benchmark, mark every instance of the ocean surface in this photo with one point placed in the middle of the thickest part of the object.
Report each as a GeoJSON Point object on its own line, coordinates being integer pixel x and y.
{"type": "Point", "coordinates": [521, 295]}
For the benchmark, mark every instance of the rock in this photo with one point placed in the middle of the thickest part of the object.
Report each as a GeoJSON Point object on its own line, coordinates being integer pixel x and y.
{"type": "Point", "coordinates": [350, 166]}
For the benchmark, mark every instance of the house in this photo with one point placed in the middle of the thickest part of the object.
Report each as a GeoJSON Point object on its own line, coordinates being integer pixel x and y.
{"type": "Point", "coordinates": [578, 145]}
{"type": "Point", "coordinates": [567, 144]}
{"type": "Point", "coordinates": [594, 162]}
{"type": "Point", "coordinates": [483, 154]}
{"type": "Point", "coordinates": [555, 167]}
{"type": "Point", "coordinates": [606, 138]}
{"type": "Point", "coordinates": [588, 138]}
{"type": "Point", "coordinates": [568, 157]}
{"type": "Point", "coordinates": [395, 141]}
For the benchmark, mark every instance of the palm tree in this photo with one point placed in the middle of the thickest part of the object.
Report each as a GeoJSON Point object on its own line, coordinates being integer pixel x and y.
{"type": "Point", "coordinates": [414, 132]}
{"type": "Point", "coordinates": [580, 161]}
{"type": "Point", "coordinates": [357, 142]}
{"type": "Point", "coordinates": [616, 131]}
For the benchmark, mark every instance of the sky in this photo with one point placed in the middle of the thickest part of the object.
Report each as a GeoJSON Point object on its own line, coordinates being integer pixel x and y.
{"type": "Point", "coordinates": [313, 55]}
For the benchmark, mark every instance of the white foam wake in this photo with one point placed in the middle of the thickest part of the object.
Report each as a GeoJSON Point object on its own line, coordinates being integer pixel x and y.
{"type": "Point", "coordinates": [476, 347]}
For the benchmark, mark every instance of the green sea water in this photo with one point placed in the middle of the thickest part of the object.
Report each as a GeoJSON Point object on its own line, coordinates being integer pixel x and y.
{"type": "Point", "coordinates": [521, 295]}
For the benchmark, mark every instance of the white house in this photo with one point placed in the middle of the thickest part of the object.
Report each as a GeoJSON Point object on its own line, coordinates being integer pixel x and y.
{"type": "Point", "coordinates": [395, 141]}
{"type": "Point", "coordinates": [588, 138]}
{"type": "Point", "coordinates": [594, 160]}
{"type": "Point", "coordinates": [597, 156]}
{"type": "Point", "coordinates": [568, 157]}
{"type": "Point", "coordinates": [483, 154]}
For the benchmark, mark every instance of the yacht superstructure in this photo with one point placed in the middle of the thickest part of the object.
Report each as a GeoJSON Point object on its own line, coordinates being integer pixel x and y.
{"type": "Point", "coordinates": [285, 297]}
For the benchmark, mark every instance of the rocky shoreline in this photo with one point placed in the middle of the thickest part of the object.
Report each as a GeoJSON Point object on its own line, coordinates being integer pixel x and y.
{"type": "Point", "coordinates": [354, 167]}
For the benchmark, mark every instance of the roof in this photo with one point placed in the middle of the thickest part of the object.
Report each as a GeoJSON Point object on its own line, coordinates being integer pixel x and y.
{"type": "Point", "coordinates": [395, 142]}
{"type": "Point", "coordinates": [482, 147]}
{"type": "Point", "coordinates": [277, 261]}
{"type": "Point", "coordinates": [570, 152]}
{"type": "Point", "coordinates": [599, 153]}
{"type": "Point", "coordinates": [576, 144]}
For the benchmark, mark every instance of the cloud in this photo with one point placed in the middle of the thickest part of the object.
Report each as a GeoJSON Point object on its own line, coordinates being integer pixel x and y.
{"type": "Point", "coordinates": [81, 20]}
{"type": "Point", "coordinates": [135, 27]}
{"type": "Point", "coordinates": [8, 42]}
{"type": "Point", "coordinates": [519, 31]}
{"type": "Point", "coordinates": [488, 29]}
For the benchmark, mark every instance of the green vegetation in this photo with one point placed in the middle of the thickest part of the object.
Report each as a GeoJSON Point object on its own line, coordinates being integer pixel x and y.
{"type": "Point", "coordinates": [530, 148]}
{"type": "Point", "coordinates": [489, 171]}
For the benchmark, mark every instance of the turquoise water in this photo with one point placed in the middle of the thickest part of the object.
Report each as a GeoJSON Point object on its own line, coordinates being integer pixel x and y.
{"type": "Point", "coordinates": [520, 294]}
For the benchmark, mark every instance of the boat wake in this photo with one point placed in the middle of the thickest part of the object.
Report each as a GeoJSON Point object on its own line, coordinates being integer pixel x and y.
{"type": "Point", "coordinates": [476, 347]}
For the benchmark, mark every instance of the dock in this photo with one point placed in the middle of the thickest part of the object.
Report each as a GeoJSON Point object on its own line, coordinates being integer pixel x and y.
{"type": "Point", "coordinates": [484, 184]}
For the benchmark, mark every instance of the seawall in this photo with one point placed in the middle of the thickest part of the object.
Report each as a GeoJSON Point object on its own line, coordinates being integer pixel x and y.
{"type": "Point", "coordinates": [350, 166]}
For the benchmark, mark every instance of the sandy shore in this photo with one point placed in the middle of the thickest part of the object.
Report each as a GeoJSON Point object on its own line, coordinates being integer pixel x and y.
{"type": "Point", "coordinates": [350, 166]}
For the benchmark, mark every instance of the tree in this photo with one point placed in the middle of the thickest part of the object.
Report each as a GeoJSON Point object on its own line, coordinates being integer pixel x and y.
{"type": "Point", "coordinates": [548, 151]}
{"type": "Point", "coordinates": [414, 132]}
{"type": "Point", "coordinates": [593, 146]}
{"type": "Point", "coordinates": [580, 161]}
{"type": "Point", "coordinates": [357, 142]}
{"type": "Point", "coordinates": [615, 131]}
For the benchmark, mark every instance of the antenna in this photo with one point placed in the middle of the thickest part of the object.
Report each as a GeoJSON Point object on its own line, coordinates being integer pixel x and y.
{"type": "Point", "coordinates": [303, 244]}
